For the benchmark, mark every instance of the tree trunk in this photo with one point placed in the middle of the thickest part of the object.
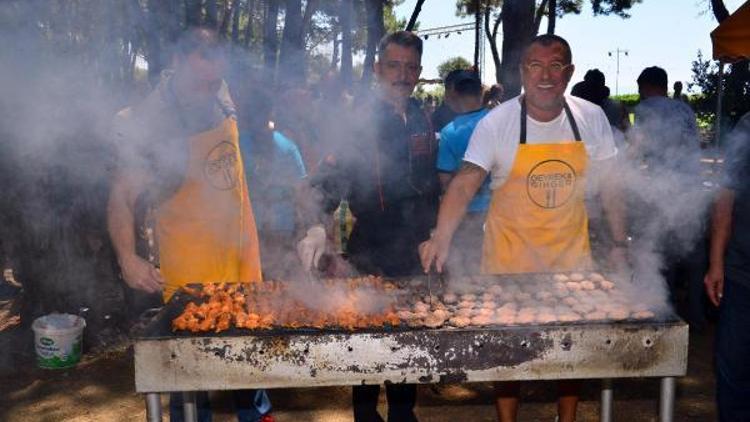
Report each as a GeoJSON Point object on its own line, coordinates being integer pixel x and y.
{"type": "Point", "coordinates": [235, 12]}
{"type": "Point", "coordinates": [492, 37]}
{"type": "Point", "coordinates": [477, 37]}
{"type": "Point", "coordinates": [226, 16]}
{"type": "Point", "coordinates": [336, 54]}
{"type": "Point", "coordinates": [163, 23]}
{"type": "Point", "coordinates": [375, 29]}
{"type": "Point", "coordinates": [414, 15]}
{"type": "Point", "coordinates": [720, 10]}
{"type": "Point", "coordinates": [193, 12]}
{"type": "Point", "coordinates": [212, 18]}
{"type": "Point", "coordinates": [346, 43]}
{"type": "Point", "coordinates": [518, 18]}
{"type": "Point", "coordinates": [249, 9]}
{"type": "Point", "coordinates": [551, 16]}
{"type": "Point", "coordinates": [290, 68]}
{"type": "Point", "coordinates": [540, 12]}
{"type": "Point", "coordinates": [270, 36]}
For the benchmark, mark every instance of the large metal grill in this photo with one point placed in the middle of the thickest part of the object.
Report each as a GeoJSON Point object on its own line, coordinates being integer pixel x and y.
{"type": "Point", "coordinates": [167, 361]}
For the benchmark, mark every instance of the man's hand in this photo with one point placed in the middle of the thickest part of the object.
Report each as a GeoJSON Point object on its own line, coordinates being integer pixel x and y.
{"type": "Point", "coordinates": [312, 247]}
{"type": "Point", "coordinates": [141, 275]}
{"type": "Point", "coordinates": [714, 282]}
{"type": "Point", "coordinates": [433, 251]}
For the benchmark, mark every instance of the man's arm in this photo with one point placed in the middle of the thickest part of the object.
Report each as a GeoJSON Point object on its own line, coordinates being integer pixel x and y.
{"type": "Point", "coordinates": [445, 180]}
{"type": "Point", "coordinates": [137, 273]}
{"type": "Point", "coordinates": [613, 205]}
{"type": "Point", "coordinates": [461, 190]}
{"type": "Point", "coordinates": [721, 228]}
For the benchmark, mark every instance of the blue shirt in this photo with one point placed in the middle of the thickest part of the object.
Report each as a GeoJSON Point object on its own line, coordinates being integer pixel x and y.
{"type": "Point", "coordinates": [454, 138]}
{"type": "Point", "coordinates": [271, 179]}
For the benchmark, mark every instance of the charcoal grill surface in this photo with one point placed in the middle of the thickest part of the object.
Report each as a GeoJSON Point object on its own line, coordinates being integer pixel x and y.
{"type": "Point", "coordinates": [282, 357]}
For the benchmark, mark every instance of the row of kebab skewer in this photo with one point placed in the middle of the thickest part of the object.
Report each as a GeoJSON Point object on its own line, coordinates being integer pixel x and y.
{"type": "Point", "coordinates": [373, 302]}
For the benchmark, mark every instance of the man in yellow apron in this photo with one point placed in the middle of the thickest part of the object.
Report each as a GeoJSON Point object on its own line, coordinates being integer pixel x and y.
{"type": "Point", "coordinates": [537, 148]}
{"type": "Point", "coordinates": [179, 159]}
{"type": "Point", "coordinates": [179, 152]}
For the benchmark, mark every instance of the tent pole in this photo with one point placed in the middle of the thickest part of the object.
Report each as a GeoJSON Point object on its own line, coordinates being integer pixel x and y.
{"type": "Point", "coordinates": [720, 99]}
{"type": "Point", "coordinates": [717, 124]}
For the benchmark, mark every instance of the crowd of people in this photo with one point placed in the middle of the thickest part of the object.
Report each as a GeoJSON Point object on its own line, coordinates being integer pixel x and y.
{"type": "Point", "coordinates": [243, 184]}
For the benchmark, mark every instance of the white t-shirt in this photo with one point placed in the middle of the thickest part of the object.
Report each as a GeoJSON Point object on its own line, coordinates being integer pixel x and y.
{"type": "Point", "coordinates": [495, 140]}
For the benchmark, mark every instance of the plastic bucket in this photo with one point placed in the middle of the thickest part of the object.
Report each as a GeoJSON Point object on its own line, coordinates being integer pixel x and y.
{"type": "Point", "coordinates": [58, 338]}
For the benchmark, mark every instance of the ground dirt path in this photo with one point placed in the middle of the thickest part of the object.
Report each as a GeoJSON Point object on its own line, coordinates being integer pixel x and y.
{"type": "Point", "coordinates": [101, 389]}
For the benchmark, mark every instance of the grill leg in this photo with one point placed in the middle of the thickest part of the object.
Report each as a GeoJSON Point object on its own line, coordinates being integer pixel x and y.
{"type": "Point", "coordinates": [191, 409]}
{"type": "Point", "coordinates": [153, 407]}
{"type": "Point", "coordinates": [666, 399]}
{"type": "Point", "coordinates": [605, 413]}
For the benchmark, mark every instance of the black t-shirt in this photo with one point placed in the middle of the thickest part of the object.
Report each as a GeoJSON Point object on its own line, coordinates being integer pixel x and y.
{"type": "Point", "coordinates": [737, 178]}
{"type": "Point", "coordinates": [387, 172]}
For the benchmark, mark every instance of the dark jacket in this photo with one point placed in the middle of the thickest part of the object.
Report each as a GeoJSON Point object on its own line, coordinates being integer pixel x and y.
{"type": "Point", "coordinates": [387, 172]}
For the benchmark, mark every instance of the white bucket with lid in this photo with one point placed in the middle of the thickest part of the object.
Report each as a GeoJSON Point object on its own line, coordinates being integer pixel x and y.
{"type": "Point", "coordinates": [58, 339]}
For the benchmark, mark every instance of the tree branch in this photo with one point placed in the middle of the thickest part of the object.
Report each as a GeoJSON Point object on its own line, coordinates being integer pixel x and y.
{"type": "Point", "coordinates": [414, 15]}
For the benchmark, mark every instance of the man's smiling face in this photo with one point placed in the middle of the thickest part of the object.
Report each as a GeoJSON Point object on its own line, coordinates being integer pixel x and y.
{"type": "Point", "coordinates": [545, 73]}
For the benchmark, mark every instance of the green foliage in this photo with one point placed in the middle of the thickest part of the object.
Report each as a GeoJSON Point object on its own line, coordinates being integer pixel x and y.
{"type": "Point", "coordinates": [452, 64]}
{"type": "Point", "coordinates": [617, 7]}
{"type": "Point", "coordinates": [736, 84]}
{"type": "Point", "coordinates": [628, 100]}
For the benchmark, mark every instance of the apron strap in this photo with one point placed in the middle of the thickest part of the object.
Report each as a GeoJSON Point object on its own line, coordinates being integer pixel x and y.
{"type": "Point", "coordinates": [568, 113]}
{"type": "Point", "coordinates": [573, 124]}
{"type": "Point", "coordinates": [523, 120]}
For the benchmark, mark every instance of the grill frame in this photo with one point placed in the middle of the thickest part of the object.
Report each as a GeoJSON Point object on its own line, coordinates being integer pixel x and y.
{"type": "Point", "coordinates": [305, 359]}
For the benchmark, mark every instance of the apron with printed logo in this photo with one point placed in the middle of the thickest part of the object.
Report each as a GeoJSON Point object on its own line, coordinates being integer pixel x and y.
{"type": "Point", "coordinates": [537, 219]}
{"type": "Point", "coordinates": [206, 230]}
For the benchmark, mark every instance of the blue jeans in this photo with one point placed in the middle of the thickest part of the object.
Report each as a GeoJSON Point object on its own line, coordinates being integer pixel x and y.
{"type": "Point", "coordinates": [250, 405]}
{"type": "Point", "coordinates": [733, 354]}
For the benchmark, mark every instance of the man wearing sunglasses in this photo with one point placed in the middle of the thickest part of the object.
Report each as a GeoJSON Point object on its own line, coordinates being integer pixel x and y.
{"type": "Point", "coordinates": [539, 149]}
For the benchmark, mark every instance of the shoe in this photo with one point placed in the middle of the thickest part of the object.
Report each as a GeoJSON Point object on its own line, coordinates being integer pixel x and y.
{"type": "Point", "coordinates": [267, 418]}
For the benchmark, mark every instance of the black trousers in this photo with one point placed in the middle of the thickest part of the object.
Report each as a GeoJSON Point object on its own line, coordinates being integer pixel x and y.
{"type": "Point", "coordinates": [401, 400]}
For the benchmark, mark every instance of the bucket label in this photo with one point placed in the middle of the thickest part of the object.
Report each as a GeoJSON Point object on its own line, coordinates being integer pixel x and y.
{"type": "Point", "coordinates": [50, 355]}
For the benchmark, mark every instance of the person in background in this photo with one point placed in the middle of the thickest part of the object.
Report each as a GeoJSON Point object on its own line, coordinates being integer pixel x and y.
{"type": "Point", "coordinates": [386, 172]}
{"type": "Point", "coordinates": [677, 94]}
{"type": "Point", "coordinates": [665, 139]}
{"type": "Point", "coordinates": [445, 112]}
{"type": "Point", "coordinates": [593, 88]}
{"type": "Point", "coordinates": [275, 177]}
{"type": "Point", "coordinates": [532, 226]}
{"type": "Point", "coordinates": [727, 281]}
{"type": "Point", "coordinates": [493, 96]}
{"type": "Point", "coordinates": [180, 172]}
{"type": "Point", "coordinates": [454, 138]}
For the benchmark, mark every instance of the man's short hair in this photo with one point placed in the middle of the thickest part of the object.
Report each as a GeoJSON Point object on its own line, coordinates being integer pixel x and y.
{"type": "Point", "coordinates": [595, 77]}
{"type": "Point", "coordinates": [405, 39]}
{"type": "Point", "coordinates": [654, 76]}
{"type": "Point", "coordinates": [200, 39]}
{"type": "Point", "coordinates": [467, 84]}
{"type": "Point", "coordinates": [450, 78]}
{"type": "Point", "coordinates": [547, 40]}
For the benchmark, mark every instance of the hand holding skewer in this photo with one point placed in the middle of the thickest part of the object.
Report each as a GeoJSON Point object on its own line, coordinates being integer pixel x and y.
{"type": "Point", "coordinates": [434, 251]}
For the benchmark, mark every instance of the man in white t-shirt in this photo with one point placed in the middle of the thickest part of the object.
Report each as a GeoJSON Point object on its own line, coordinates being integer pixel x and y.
{"type": "Point", "coordinates": [538, 149]}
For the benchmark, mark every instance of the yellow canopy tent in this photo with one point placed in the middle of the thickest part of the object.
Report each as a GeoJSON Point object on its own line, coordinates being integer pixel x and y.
{"type": "Point", "coordinates": [731, 42]}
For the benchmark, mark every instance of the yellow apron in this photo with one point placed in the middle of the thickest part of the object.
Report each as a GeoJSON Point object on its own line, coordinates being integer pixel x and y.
{"type": "Point", "coordinates": [537, 219]}
{"type": "Point", "coordinates": [206, 230]}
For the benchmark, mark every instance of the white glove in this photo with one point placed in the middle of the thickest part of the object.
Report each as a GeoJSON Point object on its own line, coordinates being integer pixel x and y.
{"type": "Point", "coordinates": [312, 247]}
